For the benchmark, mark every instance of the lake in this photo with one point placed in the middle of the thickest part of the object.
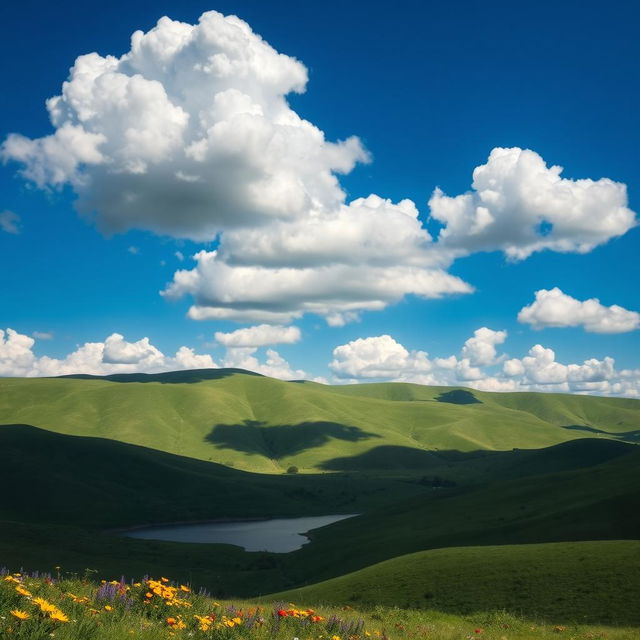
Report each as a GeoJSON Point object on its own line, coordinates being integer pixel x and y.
{"type": "Point", "coordinates": [279, 535]}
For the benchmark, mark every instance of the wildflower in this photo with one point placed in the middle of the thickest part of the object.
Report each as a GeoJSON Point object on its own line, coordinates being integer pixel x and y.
{"type": "Point", "coordinates": [58, 616]}
{"type": "Point", "coordinates": [108, 607]}
{"type": "Point", "coordinates": [282, 613]}
{"type": "Point", "coordinates": [45, 607]}
{"type": "Point", "coordinates": [22, 591]}
{"type": "Point", "coordinates": [21, 615]}
{"type": "Point", "coordinates": [184, 588]}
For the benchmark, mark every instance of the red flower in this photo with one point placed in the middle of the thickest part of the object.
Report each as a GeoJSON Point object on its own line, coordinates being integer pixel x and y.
{"type": "Point", "coordinates": [478, 630]}
{"type": "Point", "coordinates": [282, 613]}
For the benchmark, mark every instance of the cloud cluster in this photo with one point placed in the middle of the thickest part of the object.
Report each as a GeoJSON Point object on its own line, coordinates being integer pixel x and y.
{"type": "Point", "coordinates": [114, 355]}
{"type": "Point", "coordinates": [480, 367]}
{"type": "Point", "coordinates": [187, 134]}
{"type": "Point", "coordinates": [117, 355]}
{"type": "Point", "coordinates": [554, 308]}
{"type": "Point", "coordinates": [519, 206]}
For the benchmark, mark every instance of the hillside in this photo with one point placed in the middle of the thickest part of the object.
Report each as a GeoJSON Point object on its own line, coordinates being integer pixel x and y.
{"type": "Point", "coordinates": [536, 580]}
{"type": "Point", "coordinates": [251, 422]}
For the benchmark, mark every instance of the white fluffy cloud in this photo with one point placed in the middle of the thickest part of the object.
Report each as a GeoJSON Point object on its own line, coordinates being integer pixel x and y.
{"type": "Point", "coordinates": [377, 357]}
{"type": "Point", "coordinates": [519, 205]}
{"type": "Point", "coordinates": [114, 355]}
{"type": "Point", "coordinates": [334, 279]}
{"type": "Point", "coordinates": [117, 355]}
{"type": "Point", "coordinates": [187, 134]}
{"type": "Point", "coordinates": [481, 348]}
{"type": "Point", "coordinates": [259, 336]}
{"type": "Point", "coordinates": [190, 134]}
{"type": "Point", "coordinates": [9, 222]}
{"type": "Point", "coordinates": [554, 308]}
{"type": "Point", "coordinates": [384, 358]}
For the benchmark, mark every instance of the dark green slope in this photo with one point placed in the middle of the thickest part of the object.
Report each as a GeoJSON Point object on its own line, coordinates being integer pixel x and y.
{"type": "Point", "coordinates": [93, 482]}
{"type": "Point", "coordinates": [594, 503]}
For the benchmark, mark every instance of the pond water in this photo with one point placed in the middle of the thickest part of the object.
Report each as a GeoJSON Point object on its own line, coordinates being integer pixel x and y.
{"type": "Point", "coordinates": [279, 535]}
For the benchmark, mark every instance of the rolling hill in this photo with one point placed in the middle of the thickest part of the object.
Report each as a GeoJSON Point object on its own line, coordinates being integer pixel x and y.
{"type": "Point", "coordinates": [255, 423]}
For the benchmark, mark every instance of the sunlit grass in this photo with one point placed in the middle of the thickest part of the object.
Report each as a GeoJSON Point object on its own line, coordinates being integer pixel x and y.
{"type": "Point", "coordinates": [35, 607]}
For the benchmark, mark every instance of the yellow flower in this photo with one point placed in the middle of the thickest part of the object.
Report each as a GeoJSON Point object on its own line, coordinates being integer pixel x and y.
{"type": "Point", "coordinates": [21, 615]}
{"type": "Point", "coordinates": [236, 620]}
{"type": "Point", "coordinates": [184, 588]}
{"type": "Point", "coordinates": [58, 616]}
{"type": "Point", "coordinates": [22, 591]}
{"type": "Point", "coordinates": [108, 607]}
{"type": "Point", "coordinates": [45, 607]}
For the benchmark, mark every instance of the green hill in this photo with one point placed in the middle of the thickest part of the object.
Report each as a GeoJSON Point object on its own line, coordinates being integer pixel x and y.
{"type": "Point", "coordinates": [536, 580]}
{"type": "Point", "coordinates": [260, 424]}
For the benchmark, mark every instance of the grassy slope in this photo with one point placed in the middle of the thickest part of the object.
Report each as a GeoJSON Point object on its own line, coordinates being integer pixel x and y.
{"type": "Point", "coordinates": [123, 484]}
{"type": "Point", "coordinates": [547, 580]}
{"type": "Point", "coordinates": [83, 601]}
{"type": "Point", "coordinates": [265, 425]}
{"type": "Point", "coordinates": [93, 482]}
{"type": "Point", "coordinates": [597, 503]}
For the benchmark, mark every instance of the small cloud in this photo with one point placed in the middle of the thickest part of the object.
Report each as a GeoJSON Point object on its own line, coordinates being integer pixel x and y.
{"type": "Point", "coordinates": [179, 255]}
{"type": "Point", "coordinates": [9, 222]}
{"type": "Point", "coordinates": [43, 335]}
{"type": "Point", "coordinates": [133, 251]}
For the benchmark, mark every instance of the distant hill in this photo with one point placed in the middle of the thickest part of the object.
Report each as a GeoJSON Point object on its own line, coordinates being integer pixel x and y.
{"type": "Point", "coordinates": [244, 420]}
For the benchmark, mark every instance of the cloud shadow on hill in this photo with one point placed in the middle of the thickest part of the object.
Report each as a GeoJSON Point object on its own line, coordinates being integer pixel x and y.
{"type": "Point", "coordinates": [458, 396]}
{"type": "Point", "coordinates": [278, 441]}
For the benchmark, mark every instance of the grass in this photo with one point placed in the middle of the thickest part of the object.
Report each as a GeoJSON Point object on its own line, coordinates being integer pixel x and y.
{"type": "Point", "coordinates": [470, 483]}
{"type": "Point", "coordinates": [564, 582]}
{"type": "Point", "coordinates": [260, 424]}
{"type": "Point", "coordinates": [73, 608]}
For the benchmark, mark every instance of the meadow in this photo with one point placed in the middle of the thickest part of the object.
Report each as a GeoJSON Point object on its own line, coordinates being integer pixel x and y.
{"type": "Point", "coordinates": [74, 608]}
{"type": "Point", "coordinates": [477, 510]}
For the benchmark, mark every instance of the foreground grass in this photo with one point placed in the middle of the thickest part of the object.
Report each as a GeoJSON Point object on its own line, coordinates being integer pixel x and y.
{"type": "Point", "coordinates": [587, 582]}
{"type": "Point", "coordinates": [69, 608]}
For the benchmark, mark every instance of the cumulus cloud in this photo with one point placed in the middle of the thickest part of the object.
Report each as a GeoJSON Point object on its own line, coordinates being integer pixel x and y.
{"type": "Point", "coordinates": [554, 308]}
{"type": "Point", "coordinates": [9, 222]}
{"type": "Point", "coordinates": [114, 355]}
{"type": "Point", "coordinates": [259, 336]}
{"type": "Point", "coordinates": [377, 357]}
{"type": "Point", "coordinates": [481, 348]}
{"type": "Point", "coordinates": [337, 290]}
{"type": "Point", "coordinates": [117, 355]}
{"type": "Point", "coordinates": [188, 133]}
{"type": "Point", "coordinates": [480, 367]}
{"type": "Point", "coordinates": [519, 205]}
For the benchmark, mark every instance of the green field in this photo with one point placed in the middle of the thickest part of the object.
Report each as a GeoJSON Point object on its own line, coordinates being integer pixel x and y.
{"type": "Point", "coordinates": [260, 424]}
{"type": "Point", "coordinates": [470, 502]}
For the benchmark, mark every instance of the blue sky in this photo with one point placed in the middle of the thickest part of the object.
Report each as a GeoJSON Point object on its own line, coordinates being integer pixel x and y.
{"type": "Point", "coordinates": [214, 155]}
